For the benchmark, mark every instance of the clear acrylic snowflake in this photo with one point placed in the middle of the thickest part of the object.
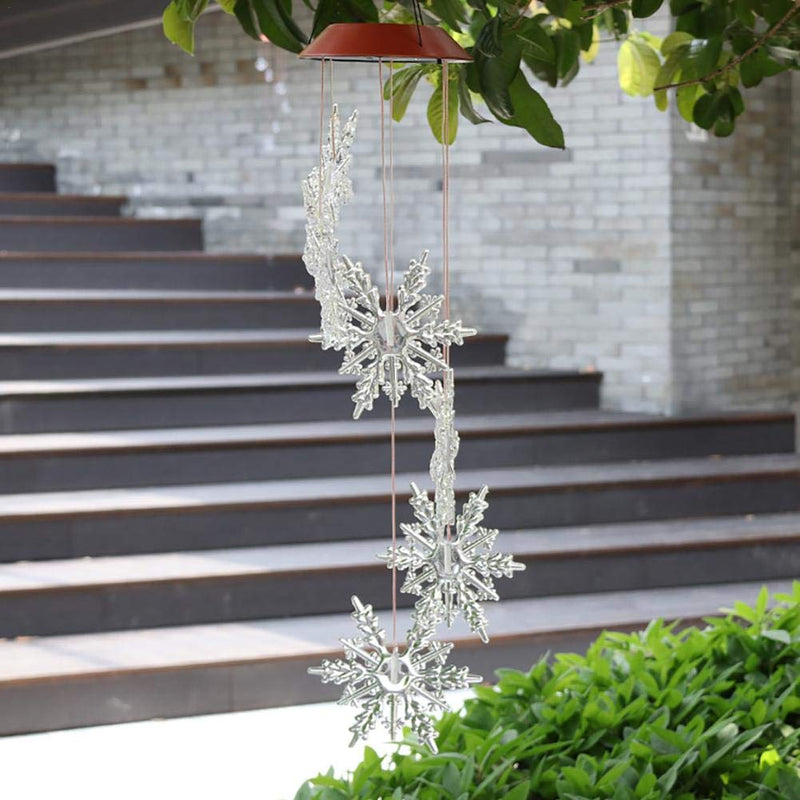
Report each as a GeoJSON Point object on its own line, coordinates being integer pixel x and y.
{"type": "Point", "coordinates": [446, 444]}
{"type": "Point", "coordinates": [395, 350]}
{"type": "Point", "coordinates": [325, 191]}
{"type": "Point", "coordinates": [394, 688]}
{"type": "Point", "coordinates": [454, 575]}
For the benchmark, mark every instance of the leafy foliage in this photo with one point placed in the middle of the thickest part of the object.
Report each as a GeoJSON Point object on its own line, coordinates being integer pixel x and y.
{"type": "Point", "coordinates": [719, 47]}
{"type": "Point", "coordinates": [707, 713]}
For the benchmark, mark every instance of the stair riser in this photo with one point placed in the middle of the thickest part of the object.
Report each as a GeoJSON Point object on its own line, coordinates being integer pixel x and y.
{"type": "Point", "coordinates": [190, 274]}
{"type": "Point", "coordinates": [52, 363]}
{"type": "Point", "coordinates": [60, 206]}
{"type": "Point", "coordinates": [120, 607]}
{"type": "Point", "coordinates": [99, 235]}
{"type": "Point", "coordinates": [21, 316]}
{"type": "Point", "coordinates": [117, 534]}
{"type": "Point", "coordinates": [27, 178]}
{"type": "Point", "coordinates": [320, 459]}
{"type": "Point", "coordinates": [41, 413]}
{"type": "Point", "coordinates": [80, 702]}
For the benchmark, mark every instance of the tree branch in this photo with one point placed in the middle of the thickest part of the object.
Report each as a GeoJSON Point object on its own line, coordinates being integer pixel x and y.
{"type": "Point", "coordinates": [738, 60]}
{"type": "Point", "coordinates": [598, 8]}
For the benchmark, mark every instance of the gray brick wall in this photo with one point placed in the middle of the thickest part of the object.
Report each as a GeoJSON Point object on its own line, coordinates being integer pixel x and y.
{"type": "Point", "coordinates": [732, 277]}
{"type": "Point", "coordinates": [569, 252]}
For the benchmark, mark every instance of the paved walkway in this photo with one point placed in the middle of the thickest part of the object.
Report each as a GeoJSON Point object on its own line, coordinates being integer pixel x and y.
{"type": "Point", "coordinates": [253, 755]}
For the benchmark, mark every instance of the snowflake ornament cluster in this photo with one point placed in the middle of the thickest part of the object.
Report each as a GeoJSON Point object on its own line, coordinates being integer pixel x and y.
{"type": "Point", "coordinates": [398, 347]}
{"type": "Point", "coordinates": [393, 688]}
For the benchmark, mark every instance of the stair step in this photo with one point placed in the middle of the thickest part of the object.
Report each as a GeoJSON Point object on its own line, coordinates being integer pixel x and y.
{"type": "Point", "coordinates": [115, 403]}
{"type": "Point", "coordinates": [60, 461]}
{"type": "Point", "coordinates": [32, 356]}
{"type": "Point", "coordinates": [64, 205]}
{"type": "Point", "coordinates": [209, 516]}
{"type": "Point", "coordinates": [152, 271]}
{"type": "Point", "coordinates": [128, 592]}
{"type": "Point", "coordinates": [21, 177]}
{"type": "Point", "coordinates": [90, 679]}
{"type": "Point", "coordinates": [73, 310]}
{"type": "Point", "coordinates": [49, 233]}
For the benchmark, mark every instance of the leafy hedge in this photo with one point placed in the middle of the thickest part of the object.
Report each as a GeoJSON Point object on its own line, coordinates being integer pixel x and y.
{"type": "Point", "coordinates": [691, 714]}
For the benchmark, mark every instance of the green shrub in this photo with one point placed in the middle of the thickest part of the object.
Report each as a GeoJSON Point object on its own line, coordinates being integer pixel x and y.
{"type": "Point", "coordinates": [683, 714]}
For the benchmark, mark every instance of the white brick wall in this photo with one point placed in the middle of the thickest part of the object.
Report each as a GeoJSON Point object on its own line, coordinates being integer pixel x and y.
{"type": "Point", "coordinates": [569, 252]}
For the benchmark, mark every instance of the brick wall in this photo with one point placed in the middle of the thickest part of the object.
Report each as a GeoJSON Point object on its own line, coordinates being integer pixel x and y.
{"type": "Point", "coordinates": [570, 252]}
{"type": "Point", "coordinates": [732, 276]}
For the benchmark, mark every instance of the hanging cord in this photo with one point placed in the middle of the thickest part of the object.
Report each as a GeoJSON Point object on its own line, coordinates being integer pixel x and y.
{"type": "Point", "coordinates": [388, 265]}
{"type": "Point", "coordinates": [321, 130]}
{"type": "Point", "coordinates": [418, 20]}
{"type": "Point", "coordinates": [330, 92]}
{"type": "Point", "coordinates": [448, 375]}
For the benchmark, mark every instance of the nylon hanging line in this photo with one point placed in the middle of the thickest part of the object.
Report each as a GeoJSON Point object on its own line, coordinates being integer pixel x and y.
{"type": "Point", "coordinates": [330, 94]}
{"type": "Point", "coordinates": [447, 377]}
{"type": "Point", "coordinates": [388, 266]}
{"type": "Point", "coordinates": [321, 127]}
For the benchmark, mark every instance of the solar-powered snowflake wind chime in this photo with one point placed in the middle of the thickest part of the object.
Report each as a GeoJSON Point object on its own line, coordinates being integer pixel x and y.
{"type": "Point", "coordinates": [398, 347]}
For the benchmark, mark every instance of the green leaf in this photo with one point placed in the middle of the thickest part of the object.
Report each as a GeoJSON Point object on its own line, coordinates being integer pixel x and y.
{"type": "Point", "coordinates": [226, 5]}
{"type": "Point", "coordinates": [178, 28]}
{"type": "Point", "coordinates": [669, 69]}
{"type": "Point", "coordinates": [520, 792]}
{"type": "Point", "coordinates": [436, 113]}
{"type": "Point", "coordinates": [496, 73]}
{"type": "Point", "coordinates": [674, 41]}
{"type": "Point", "coordinates": [331, 11]}
{"type": "Point", "coordinates": [451, 12]}
{"type": "Point", "coordinates": [705, 55]}
{"type": "Point", "coordinates": [536, 43]}
{"type": "Point", "coordinates": [270, 18]}
{"type": "Point", "coordinates": [404, 83]}
{"type": "Point", "coordinates": [685, 98]}
{"type": "Point", "coordinates": [638, 66]}
{"type": "Point", "coordinates": [777, 635]}
{"type": "Point", "coordinates": [533, 114]}
{"type": "Point", "coordinates": [645, 8]}
{"type": "Point", "coordinates": [465, 100]}
{"type": "Point", "coordinates": [569, 50]}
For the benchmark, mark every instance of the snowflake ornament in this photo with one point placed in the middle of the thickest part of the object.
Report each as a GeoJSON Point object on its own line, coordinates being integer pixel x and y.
{"type": "Point", "coordinates": [325, 191]}
{"type": "Point", "coordinates": [446, 444]}
{"type": "Point", "coordinates": [393, 688]}
{"type": "Point", "coordinates": [395, 350]}
{"type": "Point", "coordinates": [451, 575]}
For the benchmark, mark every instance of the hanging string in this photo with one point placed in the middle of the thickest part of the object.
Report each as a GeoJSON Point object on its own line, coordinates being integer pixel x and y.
{"type": "Point", "coordinates": [330, 92]}
{"type": "Point", "coordinates": [321, 128]}
{"type": "Point", "coordinates": [448, 375]}
{"type": "Point", "coordinates": [388, 266]}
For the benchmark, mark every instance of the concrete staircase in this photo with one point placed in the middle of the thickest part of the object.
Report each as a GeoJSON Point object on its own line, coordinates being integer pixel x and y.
{"type": "Point", "coordinates": [187, 505]}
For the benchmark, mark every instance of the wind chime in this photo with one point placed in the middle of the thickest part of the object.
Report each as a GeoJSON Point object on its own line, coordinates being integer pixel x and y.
{"type": "Point", "coordinates": [396, 347]}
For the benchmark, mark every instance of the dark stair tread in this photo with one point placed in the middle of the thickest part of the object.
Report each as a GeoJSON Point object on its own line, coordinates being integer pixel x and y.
{"type": "Point", "coordinates": [157, 384]}
{"type": "Point", "coordinates": [285, 337]}
{"type": "Point", "coordinates": [363, 489]}
{"type": "Point", "coordinates": [230, 436]}
{"type": "Point", "coordinates": [305, 639]}
{"type": "Point", "coordinates": [350, 556]}
{"type": "Point", "coordinates": [49, 204]}
{"type": "Point", "coordinates": [145, 255]}
{"type": "Point", "coordinates": [104, 296]}
{"type": "Point", "coordinates": [20, 176]}
{"type": "Point", "coordinates": [28, 219]}
{"type": "Point", "coordinates": [50, 196]}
